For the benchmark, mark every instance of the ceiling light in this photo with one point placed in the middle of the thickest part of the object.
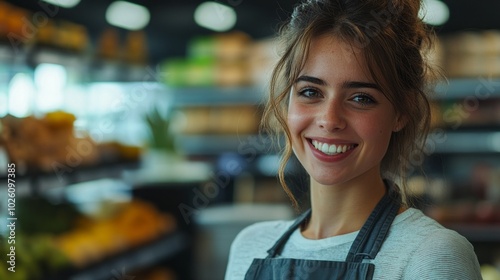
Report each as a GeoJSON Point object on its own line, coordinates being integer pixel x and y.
{"type": "Point", "coordinates": [127, 15]}
{"type": "Point", "coordinates": [63, 3]}
{"type": "Point", "coordinates": [215, 16]}
{"type": "Point", "coordinates": [434, 12]}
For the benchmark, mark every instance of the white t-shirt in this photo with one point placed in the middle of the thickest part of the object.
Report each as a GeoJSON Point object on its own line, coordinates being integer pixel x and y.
{"type": "Point", "coordinates": [417, 247]}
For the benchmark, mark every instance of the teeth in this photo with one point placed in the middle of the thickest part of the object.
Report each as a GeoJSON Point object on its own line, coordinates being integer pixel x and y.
{"type": "Point", "coordinates": [331, 149]}
{"type": "Point", "coordinates": [339, 149]}
{"type": "Point", "coordinates": [324, 148]}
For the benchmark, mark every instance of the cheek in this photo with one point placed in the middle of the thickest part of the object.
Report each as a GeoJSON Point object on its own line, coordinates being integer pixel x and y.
{"type": "Point", "coordinates": [376, 127]}
{"type": "Point", "coordinates": [298, 119]}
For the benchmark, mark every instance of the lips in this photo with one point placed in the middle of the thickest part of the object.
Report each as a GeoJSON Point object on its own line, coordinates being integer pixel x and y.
{"type": "Point", "coordinates": [332, 149]}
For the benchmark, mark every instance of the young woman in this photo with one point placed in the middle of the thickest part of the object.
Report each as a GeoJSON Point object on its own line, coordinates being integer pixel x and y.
{"type": "Point", "coordinates": [349, 96]}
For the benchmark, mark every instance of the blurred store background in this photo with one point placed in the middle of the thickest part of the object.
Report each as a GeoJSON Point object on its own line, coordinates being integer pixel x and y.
{"type": "Point", "coordinates": [133, 127]}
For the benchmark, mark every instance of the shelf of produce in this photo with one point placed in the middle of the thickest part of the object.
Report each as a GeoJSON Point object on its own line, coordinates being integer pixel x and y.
{"type": "Point", "coordinates": [142, 257]}
{"type": "Point", "coordinates": [479, 88]}
{"type": "Point", "coordinates": [477, 232]}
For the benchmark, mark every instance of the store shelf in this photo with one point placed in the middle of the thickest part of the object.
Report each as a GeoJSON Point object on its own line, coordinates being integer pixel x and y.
{"type": "Point", "coordinates": [477, 233]}
{"type": "Point", "coordinates": [465, 142]}
{"type": "Point", "coordinates": [216, 96]}
{"type": "Point", "coordinates": [40, 182]}
{"type": "Point", "coordinates": [13, 60]}
{"type": "Point", "coordinates": [142, 257]}
{"type": "Point", "coordinates": [35, 174]}
{"type": "Point", "coordinates": [218, 144]}
{"type": "Point", "coordinates": [480, 88]}
{"type": "Point", "coordinates": [58, 56]}
{"type": "Point", "coordinates": [6, 53]}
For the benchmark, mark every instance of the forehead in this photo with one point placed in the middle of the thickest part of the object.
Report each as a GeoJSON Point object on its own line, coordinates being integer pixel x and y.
{"type": "Point", "coordinates": [330, 57]}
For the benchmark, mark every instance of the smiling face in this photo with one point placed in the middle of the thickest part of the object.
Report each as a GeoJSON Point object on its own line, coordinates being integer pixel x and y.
{"type": "Point", "coordinates": [339, 120]}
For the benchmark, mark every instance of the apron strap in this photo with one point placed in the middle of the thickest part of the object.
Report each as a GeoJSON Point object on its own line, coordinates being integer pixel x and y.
{"type": "Point", "coordinates": [373, 233]}
{"type": "Point", "coordinates": [278, 246]}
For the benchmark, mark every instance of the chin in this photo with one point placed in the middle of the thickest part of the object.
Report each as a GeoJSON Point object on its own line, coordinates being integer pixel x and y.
{"type": "Point", "coordinates": [328, 179]}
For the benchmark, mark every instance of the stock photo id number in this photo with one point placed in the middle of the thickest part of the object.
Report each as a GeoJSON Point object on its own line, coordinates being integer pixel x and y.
{"type": "Point", "coordinates": [11, 219]}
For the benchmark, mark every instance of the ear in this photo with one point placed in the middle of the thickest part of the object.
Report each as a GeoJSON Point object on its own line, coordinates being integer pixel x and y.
{"type": "Point", "coordinates": [400, 122]}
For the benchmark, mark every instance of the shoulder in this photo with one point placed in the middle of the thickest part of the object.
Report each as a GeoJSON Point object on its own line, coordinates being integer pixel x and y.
{"type": "Point", "coordinates": [423, 234]}
{"type": "Point", "coordinates": [415, 227]}
{"type": "Point", "coordinates": [438, 252]}
{"type": "Point", "coordinates": [253, 242]}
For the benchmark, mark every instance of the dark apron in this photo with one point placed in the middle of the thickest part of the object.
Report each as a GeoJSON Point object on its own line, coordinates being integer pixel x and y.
{"type": "Point", "coordinates": [365, 246]}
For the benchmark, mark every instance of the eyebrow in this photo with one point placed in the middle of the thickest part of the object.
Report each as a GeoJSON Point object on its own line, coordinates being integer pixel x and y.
{"type": "Point", "coordinates": [310, 79]}
{"type": "Point", "coordinates": [346, 84]}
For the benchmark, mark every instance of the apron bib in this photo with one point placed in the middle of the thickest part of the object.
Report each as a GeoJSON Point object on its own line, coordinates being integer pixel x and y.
{"type": "Point", "coordinates": [365, 246]}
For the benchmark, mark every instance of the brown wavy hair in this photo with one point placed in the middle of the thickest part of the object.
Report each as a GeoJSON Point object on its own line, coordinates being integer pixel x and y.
{"type": "Point", "coordinates": [392, 39]}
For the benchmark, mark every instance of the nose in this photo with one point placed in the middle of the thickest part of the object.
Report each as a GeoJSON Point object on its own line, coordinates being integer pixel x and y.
{"type": "Point", "coordinates": [331, 117]}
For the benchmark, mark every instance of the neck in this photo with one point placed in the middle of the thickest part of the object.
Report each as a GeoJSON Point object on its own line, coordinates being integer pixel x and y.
{"type": "Point", "coordinates": [343, 208]}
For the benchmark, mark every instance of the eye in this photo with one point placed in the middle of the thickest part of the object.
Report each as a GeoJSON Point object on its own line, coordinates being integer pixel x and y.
{"type": "Point", "coordinates": [364, 99]}
{"type": "Point", "coordinates": [309, 93]}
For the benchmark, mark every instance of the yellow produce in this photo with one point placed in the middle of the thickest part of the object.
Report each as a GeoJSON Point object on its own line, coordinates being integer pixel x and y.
{"type": "Point", "coordinates": [79, 247]}
{"type": "Point", "coordinates": [59, 118]}
{"type": "Point", "coordinates": [128, 225]}
{"type": "Point", "coordinates": [104, 237]}
{"type": "Point", "coordinates": [140, 221]}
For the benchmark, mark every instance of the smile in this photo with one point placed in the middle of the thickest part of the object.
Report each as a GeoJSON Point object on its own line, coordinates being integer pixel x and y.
{"type": "Point", "coordinates": [331, 149]}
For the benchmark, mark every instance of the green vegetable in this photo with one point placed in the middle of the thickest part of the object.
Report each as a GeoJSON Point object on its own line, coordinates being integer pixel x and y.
{"type": "Point", "coordinates": [159, 129]}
